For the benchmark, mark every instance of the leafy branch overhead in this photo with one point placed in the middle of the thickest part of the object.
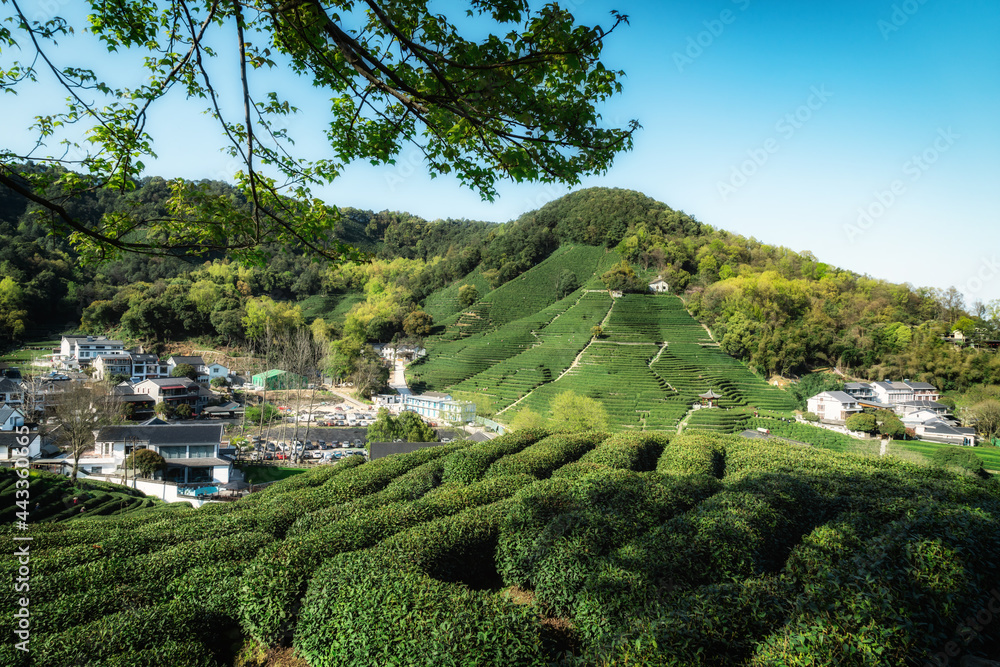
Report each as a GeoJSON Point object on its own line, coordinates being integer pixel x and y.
{"type": "Point", "coordinates": [520, 104]}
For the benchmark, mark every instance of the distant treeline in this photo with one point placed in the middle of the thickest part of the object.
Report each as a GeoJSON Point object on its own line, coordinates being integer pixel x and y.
{"type": "Point", "coordinates": [778, 310]}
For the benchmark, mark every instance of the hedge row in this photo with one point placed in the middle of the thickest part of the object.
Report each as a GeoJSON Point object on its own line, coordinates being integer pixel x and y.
{"type": "Point", "coordinates": [409, 486]}
{"type": "Point", "coordinates": [905, 596]}
{"type": "Point", "coordinates": [268, 604]}
{"type": "Point", "coordinates": [543, 457]}
{"type": "Point", "coordinates": [695, 454]}
{"type": "Point", "coordinates": [742, 532]}
{"type": "Point", "coordinates": [558, 529]}
{"type": "Point", "coordinates": [471, 464]}
{"type": "Point", "coordinates": [716, 625]}
{"type": "Point", "coordinates": [277, 515]}
{"type": "Point", "coordinates": [313, 477]}
{"type": "Point", "coordinates": [159, 635]}
{"type": "Point", "coordinates": [153, 569]}
{"type": "Point", "coordinates": [625, 451]}
{"type": "Point", "coordinates": [365, 608]}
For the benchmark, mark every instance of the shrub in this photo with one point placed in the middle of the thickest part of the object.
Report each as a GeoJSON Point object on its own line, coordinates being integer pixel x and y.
{"type": "Point", "coordinates": [959, 458]}
{"type": "Point", "coordinates": [364, 608]}
{"type": "Point", "coordinates": [471, 463]}
{"type": "Point", "coordinates": [543, 457]}
{"type": "Point", "coordinates": [155, 631]}
{"type": "Point", "coordinates": [558, 529]}
{"type": "Point", "coordinates": [694, 455]}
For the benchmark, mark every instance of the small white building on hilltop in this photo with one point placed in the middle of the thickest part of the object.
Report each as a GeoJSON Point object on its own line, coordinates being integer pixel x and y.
{"type": "Point", "coordinates": [659, 285]}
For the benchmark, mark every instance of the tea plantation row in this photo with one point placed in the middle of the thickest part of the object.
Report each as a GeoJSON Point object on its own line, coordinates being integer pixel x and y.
{"type": "Point", "coordinates": [535, 549]}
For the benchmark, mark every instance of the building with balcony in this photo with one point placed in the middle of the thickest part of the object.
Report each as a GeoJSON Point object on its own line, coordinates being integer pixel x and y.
{"type": "Point", "coordinates": [82, 351]}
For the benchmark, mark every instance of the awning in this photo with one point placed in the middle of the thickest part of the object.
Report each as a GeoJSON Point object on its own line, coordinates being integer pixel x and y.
{"type": "Point", "coordinates": [207, 461]}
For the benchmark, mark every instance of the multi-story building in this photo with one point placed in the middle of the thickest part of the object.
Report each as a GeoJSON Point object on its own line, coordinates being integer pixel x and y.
{"type": "Point", "coordinates": [833, 406]}
{"type": "Point", "coordinates": [174, 391]}
{"type": "Point", "coordinates": [145, 366]}
{"type": "Point", "coordinates": [891, 392]}
{"type": "Point", "coordinates": [106, 366]}
{"type": "Point", "coordinates": [191, 451]}
{"type": "Point", "coordinates": [433, 405]}
{"type": "Point", "coordinates": [82, 351]}
{"type": "Point", "coordinates": [923, 391]}
{"type": "Point", "coordinates": [196, 362]}
{"type": "Point", "coordinates": [860, 390]}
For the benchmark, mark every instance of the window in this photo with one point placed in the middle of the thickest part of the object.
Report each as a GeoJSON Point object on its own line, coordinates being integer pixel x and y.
{"type": "Point", "coordinates": [200, 474]}
{"type": "Point", "coordinates": [173, 452]}
{"type": "Point", "coordinates": [200, 451]}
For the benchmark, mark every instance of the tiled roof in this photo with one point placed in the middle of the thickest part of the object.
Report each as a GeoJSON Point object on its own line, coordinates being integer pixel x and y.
{"type": "Point", "coordinates": [839, 396]}
{"type": "Point", "coordinates": [171, 434]}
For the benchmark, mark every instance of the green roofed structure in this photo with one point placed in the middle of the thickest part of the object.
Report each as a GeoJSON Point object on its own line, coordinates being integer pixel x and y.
{"type": "Point", "coordinates": [279, 379]}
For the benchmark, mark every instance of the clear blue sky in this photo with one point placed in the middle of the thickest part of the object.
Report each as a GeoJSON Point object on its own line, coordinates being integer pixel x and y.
{"type": "Point", "coordinates": [865, 132]}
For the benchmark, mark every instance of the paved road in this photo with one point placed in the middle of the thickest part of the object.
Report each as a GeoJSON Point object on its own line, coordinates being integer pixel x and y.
{"type": "Point", "coordinates": [398, 379]}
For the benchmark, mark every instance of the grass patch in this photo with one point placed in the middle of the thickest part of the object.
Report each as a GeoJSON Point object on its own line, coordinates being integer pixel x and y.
{"type": "Point", "coordinates": [261, 474]}
{"type": "Point", "coordinates": [989, 454]}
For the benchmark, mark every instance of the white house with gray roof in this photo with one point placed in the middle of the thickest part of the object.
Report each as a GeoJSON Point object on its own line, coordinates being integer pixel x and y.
{"type": "Point", "coordinates": [191, 451]}
{"type": "Point", "coordinates": [81, 351]}
{"type": "Point", "coordinates": [833, 406]}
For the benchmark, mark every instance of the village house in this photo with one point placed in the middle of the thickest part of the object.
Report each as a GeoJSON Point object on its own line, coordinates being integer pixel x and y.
{"type": "Point", "coordinates": [195, 362]}
{"type": "Point", "coordinates": [82, 351]}
{"type": "Point", "coordinates": [191, 451]}
{"type": "Point", "coordinates": [10, 418]}
{"type": "Point", "coordinates": [833, 406]}
{"type": "Point", "coordinates": [107, 366]}
{"type": "Point", "coordinates": [891, 392]}
{"type": "Point", "coordinates": [860, 390]}
{"type": "Point", "coordinates": [12, 444]}
{"type": "Point", "coordinates": [11, 392]}
{"type": "Point", "coordinates": [175, 391]}
{"type": "Point", "coordinates": [938, 429]}
{"type": "Point", "coordinates": [145, 366]}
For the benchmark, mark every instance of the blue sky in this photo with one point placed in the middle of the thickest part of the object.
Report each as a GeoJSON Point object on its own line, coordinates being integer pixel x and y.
{"type": "Point", "coordinates": [865, 132]}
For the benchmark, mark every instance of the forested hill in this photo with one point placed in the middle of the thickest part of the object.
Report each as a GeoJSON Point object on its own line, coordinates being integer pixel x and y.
{"type": "Point", "coordinates": [777, 310]}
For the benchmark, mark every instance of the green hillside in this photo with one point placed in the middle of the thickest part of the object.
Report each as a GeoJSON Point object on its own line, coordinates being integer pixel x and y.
{"type": "Point", "coordinates": [534, 549]}
{"type": "Point", "coordinates": [647, 369]}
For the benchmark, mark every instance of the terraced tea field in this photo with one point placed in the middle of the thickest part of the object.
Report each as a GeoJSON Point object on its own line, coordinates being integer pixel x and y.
{"type": "Point", "coordinates": [647, 369]}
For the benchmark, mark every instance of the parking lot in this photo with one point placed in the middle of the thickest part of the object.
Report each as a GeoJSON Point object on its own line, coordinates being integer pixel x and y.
{"type": "Point", "coordinates": [322, 445]}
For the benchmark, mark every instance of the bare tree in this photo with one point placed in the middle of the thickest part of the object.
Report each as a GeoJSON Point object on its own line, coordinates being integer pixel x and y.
{"type": "Point", "coordinates": [300, 355]}
{"type": "Point", "coordinates": [80, 411]}
{"type": "Point", "coordinates": [33, 394]}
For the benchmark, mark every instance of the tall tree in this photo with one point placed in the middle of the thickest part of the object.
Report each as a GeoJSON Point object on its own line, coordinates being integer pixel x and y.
{"type": "Point", "coordinates": [519, 104]}
{"type": "Point", "coordinates": [572, 412]}
{"type": "Point", "coordinates": [79, 412]}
